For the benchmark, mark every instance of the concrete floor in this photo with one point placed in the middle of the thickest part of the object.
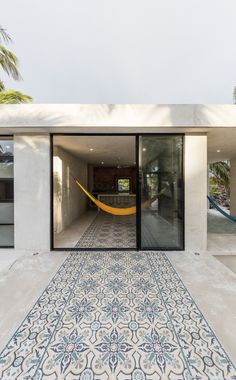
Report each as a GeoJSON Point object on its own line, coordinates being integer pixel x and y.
{"type": "Point", "coordinates": [23, 277]}
{"type": "Point", "coordinates": [69, 237]}
{"type": "Point", "coordinates": [221, 237]}
{"type": "Point", "coordinates": [213, 287]}
{"type": "Point", "coordinates": [228, 260]}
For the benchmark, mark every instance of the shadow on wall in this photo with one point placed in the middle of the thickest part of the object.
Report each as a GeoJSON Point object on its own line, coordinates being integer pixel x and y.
{"type": "Point", "coordinates": [106, 115]}
{"type": "Point", "coordinates": [69, 202]}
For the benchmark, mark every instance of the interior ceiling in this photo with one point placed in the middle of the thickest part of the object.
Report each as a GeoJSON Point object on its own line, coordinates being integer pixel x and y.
{"type": "Point", "coordinates": [223, 139]}
{"type": "Point", "coordinates": [120, 150]}
{"type": "Point", "coordinates": [112, 150]}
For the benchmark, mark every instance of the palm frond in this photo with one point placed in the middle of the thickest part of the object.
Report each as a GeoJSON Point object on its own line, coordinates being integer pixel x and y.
{"type": "Point", "coordinates": [2, 86]}
{"type": "Point", "coordinates": [221, 172]}
{"type": "Point", "coordinates": [4, 36]}
{"type": "Point", "coordinates": [14, 97]}
{"type": "Point", "coordinates": [9, 63]}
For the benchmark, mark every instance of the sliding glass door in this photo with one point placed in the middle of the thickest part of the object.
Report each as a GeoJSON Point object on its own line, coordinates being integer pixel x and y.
{"type": "Point", "coordinates": [161, 191]}
{"type": "Point", "coordinates": [128, 195]}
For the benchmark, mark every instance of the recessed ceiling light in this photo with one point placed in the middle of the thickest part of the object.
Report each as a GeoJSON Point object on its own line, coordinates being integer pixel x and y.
{"type": "Point", "coordinates": [218, 150]}
{"type": "Point", "coordinates": [91, 149]}
{"type": "Point", "coordinates": [144, 149]}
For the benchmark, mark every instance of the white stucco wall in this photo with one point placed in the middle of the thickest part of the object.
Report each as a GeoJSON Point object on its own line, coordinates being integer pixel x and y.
{"type": "Point", "coordinates": [69, 201]}
{"type": "Point", "coordinates": [233, 186]}
{"type": "Point", "coordinates": [32, 192]}
{"type": "Point", "coordinates": [195, 192]}
{"type": "Point", "coordinates": [65, 117]}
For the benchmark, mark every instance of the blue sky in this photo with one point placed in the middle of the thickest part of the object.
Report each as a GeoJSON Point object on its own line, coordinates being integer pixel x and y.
{"type": "Point", "coordinates": [126, 51]}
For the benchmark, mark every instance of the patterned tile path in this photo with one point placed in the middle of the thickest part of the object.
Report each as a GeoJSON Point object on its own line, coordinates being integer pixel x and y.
{"type": "Point", "coordinates": [115, 315]}
{"type": "Point", "coordinates": [108, 230]}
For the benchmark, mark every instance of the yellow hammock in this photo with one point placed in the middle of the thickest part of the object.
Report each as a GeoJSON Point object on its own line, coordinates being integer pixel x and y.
{"type": "Point", "coordinates": [109, 209]}
{"type": "Point", "coordinates": [115, 210]}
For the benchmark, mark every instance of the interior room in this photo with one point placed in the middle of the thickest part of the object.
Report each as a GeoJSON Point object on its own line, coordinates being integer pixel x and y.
{"type": "Point", "coordinates": [106, 167]}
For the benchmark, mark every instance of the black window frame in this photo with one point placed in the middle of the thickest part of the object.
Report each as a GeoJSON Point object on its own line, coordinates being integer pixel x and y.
{"type": "Point", "coordinates": [6, 179]}
{"type": "Point", "coordinates": [138, 192]}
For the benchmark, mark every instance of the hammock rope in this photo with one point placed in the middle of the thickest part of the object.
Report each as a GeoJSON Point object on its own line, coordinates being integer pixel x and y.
{"type": "Point", "coordinates": [218, 208]}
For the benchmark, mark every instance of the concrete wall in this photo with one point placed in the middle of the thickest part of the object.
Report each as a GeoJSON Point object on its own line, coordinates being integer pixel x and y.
{"type": "Point", "coordinates": [195, 192]}
{"type": "Point", "coordinates": [32, 192]}
{"type": "Point", "coordinates": [69, 201]}
{"type": "Point", "coordinates": [233, 186]}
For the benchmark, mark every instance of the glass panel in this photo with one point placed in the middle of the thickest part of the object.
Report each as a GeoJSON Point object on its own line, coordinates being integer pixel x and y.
{"type": "Point", "coordinates": [6, 213]}
{"type": "Point", "coordinates": [6, 236]}
{"type": "Point", "coordinates": [6, 190]}
{"type": "Point", "coordinates": [161, 192]}
{"type": "Point", "coordinates": [6, 158]}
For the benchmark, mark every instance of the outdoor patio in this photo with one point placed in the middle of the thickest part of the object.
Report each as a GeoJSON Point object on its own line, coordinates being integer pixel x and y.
{"type": "Point", "coordinates": [118, 315]}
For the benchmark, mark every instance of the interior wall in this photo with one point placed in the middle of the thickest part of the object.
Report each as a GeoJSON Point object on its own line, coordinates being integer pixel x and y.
{"type": "Point", "coordinates": [69, 201]}
{"type": "Point", "coordinates": [104, 178]}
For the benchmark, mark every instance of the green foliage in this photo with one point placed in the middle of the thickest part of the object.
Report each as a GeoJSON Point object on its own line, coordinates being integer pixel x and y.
{"type": "Point", "coordinates": [220, 172]}
{"type": "Point", "coordinates": [4, 36]}
{"type": "Point", "coordinates": [14, 97]}
{"type": "Point", "coordinates": [9, 63]}
{"type": "Point", "coordinates": [2, 87]}
{"type": "Point", "coordinates": [219, 182]}
{"type": "Point", "coordinates": [213, 187]}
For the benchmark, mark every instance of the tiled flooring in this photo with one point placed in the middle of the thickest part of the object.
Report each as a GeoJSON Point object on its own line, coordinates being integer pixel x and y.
{"type": "Point", "coordinates": [110, 231]}
{"type": "Point", "coordinates": [115, 315]}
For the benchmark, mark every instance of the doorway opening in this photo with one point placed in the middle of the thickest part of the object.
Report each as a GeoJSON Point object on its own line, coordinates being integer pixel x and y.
{"type": "Point", "coordinates": [105, 167]}
{"type": "Point", "coordinates": [117, 192]}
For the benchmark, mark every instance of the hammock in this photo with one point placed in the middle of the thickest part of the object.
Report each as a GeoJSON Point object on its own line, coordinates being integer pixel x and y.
{"type": "Point", "coordinates": [116, 210]}
{"type": "Point", "coordinates": [106, 208]}
{"type": "Point", "coordinates": [218, 208]}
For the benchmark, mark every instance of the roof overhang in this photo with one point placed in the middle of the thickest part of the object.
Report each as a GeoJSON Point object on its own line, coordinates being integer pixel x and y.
{"type": "Point", "coordinates": [45, 118]}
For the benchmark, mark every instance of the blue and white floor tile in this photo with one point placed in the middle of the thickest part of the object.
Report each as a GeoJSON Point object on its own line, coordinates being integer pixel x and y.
{"type": "Point", "coordinates": [115, 315]}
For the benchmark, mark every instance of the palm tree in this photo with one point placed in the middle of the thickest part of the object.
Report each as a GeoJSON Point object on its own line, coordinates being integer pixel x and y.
{"type": "Point", "coordinates": [9, 63]}
{"type": "Point", "coordinates": [220, 171]}
{"type": "Point", "coordinates": [219, 182]}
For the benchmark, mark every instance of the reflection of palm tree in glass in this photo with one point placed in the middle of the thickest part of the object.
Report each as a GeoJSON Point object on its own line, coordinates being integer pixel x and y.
{"type": "Point", "coordinates": [152, 190]}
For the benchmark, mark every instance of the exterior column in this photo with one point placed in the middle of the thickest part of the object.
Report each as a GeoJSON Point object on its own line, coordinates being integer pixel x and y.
{"type": "Point", "coordinates": [233, 186]}
{"type": "Point", "coordinates": [32, 192]}
{"type": "Point", "coordinates": [196, 192]}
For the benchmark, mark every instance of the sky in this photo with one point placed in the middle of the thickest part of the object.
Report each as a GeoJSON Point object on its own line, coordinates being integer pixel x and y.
{"type": "Point", "coordinates": [126, 51]}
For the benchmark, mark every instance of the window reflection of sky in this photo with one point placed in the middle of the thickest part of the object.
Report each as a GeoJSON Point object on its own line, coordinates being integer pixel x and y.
{"type": "Point", "coordinates": [6, 147]}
